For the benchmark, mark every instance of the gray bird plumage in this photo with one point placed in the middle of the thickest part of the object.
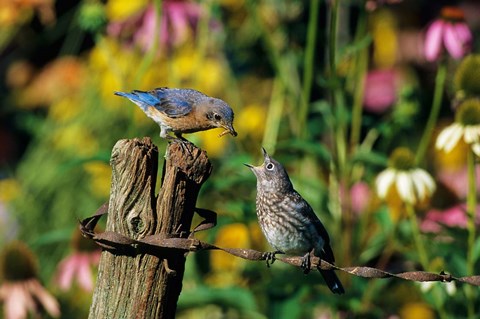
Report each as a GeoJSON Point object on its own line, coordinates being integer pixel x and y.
{"type": "Point", "coordinates": [288, 222]}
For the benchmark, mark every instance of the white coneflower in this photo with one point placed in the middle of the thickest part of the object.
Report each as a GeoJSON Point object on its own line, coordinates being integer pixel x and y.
{"type": "Point", "coordinates": [466, 125]}
{"type": "Point", "coordinates": [412, 184]}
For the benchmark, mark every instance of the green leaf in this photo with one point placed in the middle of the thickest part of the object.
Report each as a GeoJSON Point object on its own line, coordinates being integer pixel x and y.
{"type": "Point", "coordinates": [290, 307]}
{"type": "Point", "coordinates": [313, 148]}
{"type": "Point", "coordinates": [234, 297]}
{"type": "Point", "coordinates": [371, 157]}
{"type": "Point", "coordinates": [356, 46]}
{"type": "Point", "coordinates": [53, 237]}
{"type": "Point", "coordinates": [476, 250]}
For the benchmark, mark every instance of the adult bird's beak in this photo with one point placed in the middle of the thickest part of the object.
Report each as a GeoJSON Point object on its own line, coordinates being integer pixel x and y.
{"type": "Point", "coordinates": [228, 129]}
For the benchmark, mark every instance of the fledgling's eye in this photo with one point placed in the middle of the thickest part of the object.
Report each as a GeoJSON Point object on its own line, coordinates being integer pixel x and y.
{"type": "Point", "coordinates": [270, 166]}
{"type": "Point", "coordinates": [217, 117]}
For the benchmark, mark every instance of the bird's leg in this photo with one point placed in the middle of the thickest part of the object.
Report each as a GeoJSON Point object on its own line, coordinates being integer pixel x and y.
{"type": "Point", "coordinates": [183, 142]}
{"type": "Point", "coordinates": [270, 256]}
{"type": "Point", "coordinates": [306, 263]}
{"type": "Point", "coordinates": [181, 138]}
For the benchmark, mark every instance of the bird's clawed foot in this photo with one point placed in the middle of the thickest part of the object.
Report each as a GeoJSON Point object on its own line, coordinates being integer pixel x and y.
{"type": "Point", "coordinates": [185, 144]}
{"type": "Point", "coordinates": [270, 257]}
{"type": "Point", "coordinates": [306, 263]}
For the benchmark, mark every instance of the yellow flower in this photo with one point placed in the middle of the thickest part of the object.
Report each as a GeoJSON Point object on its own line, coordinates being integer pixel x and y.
{"type": "Point", "coordinates": [211, 76]}
{"type": "Point", "coordinates": [123, 9]}
{"type": "Point", "coordinates": [65, 109]}
{"type": "Point", "coordinates": [230, 236]}
{"type": "Point", "coordinates": [251, 120]}
{"type": "Point", "coordinates": [100, 176]}
{"type": "Point", "coordinates": [412, 184]}
{"type": "Point", "coordinates": [113, 68]}
{"type": "Point", "coordinates": [416, 310]}
{"type": "Point", "coordinates": [257, 237]}
{"type": "Point", "coordinates": [188, 68]}
{"type": "Point", "coordinates": [9, 189]}
{"type": "Point", "coordinates": [210, 142]}
{"type": "Point", "coordinates": [76, 139]}
{"type": "Point", "coordinates": [384, 39]}
{"type": "Point", "coordinates": [108, 66]}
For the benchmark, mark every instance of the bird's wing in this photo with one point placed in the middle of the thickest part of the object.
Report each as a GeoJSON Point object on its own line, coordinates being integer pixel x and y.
{"type": "Point", "coordinates": [176, 102]}
{"type": "Point", "coordinates": [312, 218]}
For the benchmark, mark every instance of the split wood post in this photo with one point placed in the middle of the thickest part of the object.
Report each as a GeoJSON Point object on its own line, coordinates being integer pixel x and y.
{"type": "Point", "coordinates": [133, 284]}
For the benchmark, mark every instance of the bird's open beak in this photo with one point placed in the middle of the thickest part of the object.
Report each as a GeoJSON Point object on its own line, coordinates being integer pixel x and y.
{"type": "Point", "coordinates": [228, 129]}
{"type": "Point", "coordinates": [252, 168]}
{"type": "Point", "coordinates": [265, 154]}
{"type": "Point", "coordinates": [265, 157]}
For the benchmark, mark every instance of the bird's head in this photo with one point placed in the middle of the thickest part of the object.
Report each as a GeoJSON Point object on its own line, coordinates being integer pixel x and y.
{"type": "Point", "coordinates": [220, 114]}
{"type": "Point", "coordinates": [271, 176]}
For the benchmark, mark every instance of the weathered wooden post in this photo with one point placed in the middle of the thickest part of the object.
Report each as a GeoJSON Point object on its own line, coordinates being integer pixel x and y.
{"type": "Point", "coordinates": [132, 284]}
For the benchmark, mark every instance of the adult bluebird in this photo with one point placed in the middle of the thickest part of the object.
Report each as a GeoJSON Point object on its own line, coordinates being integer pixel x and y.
{"type": "Point", "coordinates": [289, 222]}
{"type": "Point", "coordinates": [183, 110]}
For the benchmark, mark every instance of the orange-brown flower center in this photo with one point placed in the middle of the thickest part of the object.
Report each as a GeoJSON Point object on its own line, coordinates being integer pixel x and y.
{"type": "Point", "coordinates": [453, 14]}
{"type": "Point", "coordinates": [402, 159]}
{"type": "Point", "coordinates": [17, 262]}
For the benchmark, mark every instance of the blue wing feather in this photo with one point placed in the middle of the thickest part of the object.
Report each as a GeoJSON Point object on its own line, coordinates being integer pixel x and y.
{"type": "Point", "coordinates": [172, 102]}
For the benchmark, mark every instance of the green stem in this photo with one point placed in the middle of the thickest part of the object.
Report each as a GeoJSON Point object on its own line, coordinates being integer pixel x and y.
{"type": "Point", "coordinates": [202, 40]}
{"type": "Point", "coordinates": [338, 99]}
{"type": "Point", "coordinates": [360, 70]}
{"type": "Point", "coordinates": [274, 116]}
{"type": "Point", "coordinates": [332, 37]}
{"type": "Point", "coordinates": [338, 165]}
{"type": "Point", "coordinates": [471, 210]}
{"type": "Point", "coordinates": [276, 59]}
{"type": "Point", "coordinates": [152, 52]}
{"type": "Point", "coordinates": [432, 119]}
{"type": "Point", "coordinates": [308, 66]}
{"type": "Point", "coordinates": [422, 253]}
{"type": "Point", "coordinates": [424, 257]}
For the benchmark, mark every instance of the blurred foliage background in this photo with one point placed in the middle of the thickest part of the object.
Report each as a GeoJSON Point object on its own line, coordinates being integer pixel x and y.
{"type": "Point", "coordinates": [331, 88]}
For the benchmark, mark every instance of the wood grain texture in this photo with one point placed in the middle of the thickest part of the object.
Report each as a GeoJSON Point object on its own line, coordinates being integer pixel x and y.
{"type": "Point", "coordinates": [133, 284]}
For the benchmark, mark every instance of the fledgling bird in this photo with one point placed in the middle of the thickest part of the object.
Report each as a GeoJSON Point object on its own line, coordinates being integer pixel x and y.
{"type": "Point", "coordinates": [289, 222]}
{"type": "Point", "coordinates": [183, 111]}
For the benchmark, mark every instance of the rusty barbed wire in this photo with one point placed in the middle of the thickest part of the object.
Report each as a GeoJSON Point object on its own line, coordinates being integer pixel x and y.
{"type": "Point", "coordinates": [155, 244]}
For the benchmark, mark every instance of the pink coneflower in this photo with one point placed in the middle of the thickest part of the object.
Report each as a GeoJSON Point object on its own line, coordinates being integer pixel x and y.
{"type": "Point", "coordinates": [78, 265]}
{"type": "Point", "coordinates": [457, 180]}
{"type": "Point", "coordinates": [380, 90]}
{"type": "Point", "coordinates": [455, 216]}
{"type": "Point", "coordinates": [449, 31]}
{"type": "Point", "coordinates": [360, 195]}
{"type": "Point", "coordinates": [21, 292]}
{"type": "Point", "coordinates": [178, 21]}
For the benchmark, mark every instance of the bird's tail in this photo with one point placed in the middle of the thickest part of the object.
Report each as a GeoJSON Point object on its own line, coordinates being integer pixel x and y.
{"type": "Point", "coordinates": [141, 98]}
{"type": "Point", "coordinates": [332, 281]}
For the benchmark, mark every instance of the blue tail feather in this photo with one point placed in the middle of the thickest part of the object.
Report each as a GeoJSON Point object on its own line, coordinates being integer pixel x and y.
{"type": "Point", "coordinates": [142, 99]}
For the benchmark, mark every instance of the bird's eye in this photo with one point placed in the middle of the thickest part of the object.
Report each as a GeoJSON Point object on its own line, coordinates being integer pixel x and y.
{"type": "Point", "coordinates": [217, 117]}
{"type": "Point", "coordinates": [270, 166]}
